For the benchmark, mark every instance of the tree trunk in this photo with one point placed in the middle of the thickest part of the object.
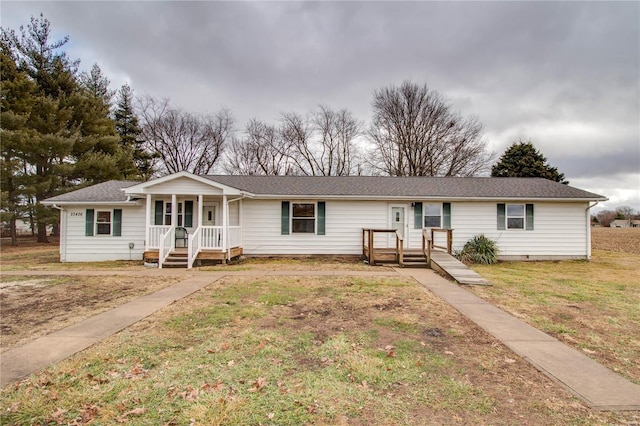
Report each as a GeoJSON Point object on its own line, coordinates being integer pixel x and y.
{"type": "Point", "coordinates": [14, 236]}
{"type": "Point", "coordinates": [56, 229]}
{"type": "Point", "coordinates": [42, 232]}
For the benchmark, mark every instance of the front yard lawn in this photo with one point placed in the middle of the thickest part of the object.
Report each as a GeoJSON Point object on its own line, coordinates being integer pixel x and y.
{"type": "Point", "coordinates": [298, 350]}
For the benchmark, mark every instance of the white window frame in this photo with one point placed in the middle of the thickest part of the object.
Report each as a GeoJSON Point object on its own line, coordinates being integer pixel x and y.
{"type": "Point", "coordinates": [167, 213]}
{"type": "Point", "coordinates": [522, 216]}
{"type": "Point", "coordinates": [314, 217]}
{"type": "Point", "coordinates": [97, 223]}
{"type": "Point", "coordinates": [424, 214]}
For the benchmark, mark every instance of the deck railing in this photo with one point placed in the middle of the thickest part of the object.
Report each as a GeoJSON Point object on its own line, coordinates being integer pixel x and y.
{"type": "Point", "coordinates": [369, 249]}
{"type": "Point", "coordinates": [155, 234]}
{"type": "Point", "coordinates": [212, 237]}
{"type": "Point", "coordinates": [449, 241]}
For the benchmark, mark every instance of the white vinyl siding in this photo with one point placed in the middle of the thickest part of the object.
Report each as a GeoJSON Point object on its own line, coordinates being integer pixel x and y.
{"type": "Point", "coordinates": [183, 186]}
{"type": "Point", "coordinates": [344, 220]}
{"type": "Point", "coordinates": [81, 248]}
{"type": "Point", "coordinates": [560, 229]}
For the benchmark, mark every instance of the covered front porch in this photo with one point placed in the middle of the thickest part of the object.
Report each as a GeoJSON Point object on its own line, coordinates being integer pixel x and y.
{"type": "Point", "coordinates": [181, 229]}
{"type": "Point", "coordinates": [189, 219]}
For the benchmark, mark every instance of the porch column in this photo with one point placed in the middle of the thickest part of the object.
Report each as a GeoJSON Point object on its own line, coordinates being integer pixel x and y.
{"type": "Point", "coordinates": [225, 229]}
{"type": "Point", "coordinates": [200, 209]}
{"type": "Point", "coordinates": [147, 222]}
{"type": "Point", "coordinates": [174, 210]}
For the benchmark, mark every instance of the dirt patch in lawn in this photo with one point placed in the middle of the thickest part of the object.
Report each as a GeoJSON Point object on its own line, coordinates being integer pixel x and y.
{"type": "Point", "coordinates": [33, 306]}
{"type": "Point", "coordinates": [616, 239]}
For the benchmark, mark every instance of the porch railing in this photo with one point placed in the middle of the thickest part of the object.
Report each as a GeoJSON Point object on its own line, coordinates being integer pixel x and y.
{"type": "Point", "coordinates": [167, 244]}
{"type": "Point", "coordinates": [212, 237]}
{"type": "Point", "coordinates": [155, 234]}
{"type": "Point", "coordinates": [369, 250]}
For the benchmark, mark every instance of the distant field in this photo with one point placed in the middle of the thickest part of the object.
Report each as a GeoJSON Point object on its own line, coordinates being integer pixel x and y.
{"type": "Point", "coordinates": [616, 239]}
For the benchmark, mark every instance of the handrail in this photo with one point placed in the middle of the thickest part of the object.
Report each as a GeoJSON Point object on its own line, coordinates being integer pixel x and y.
{"type": "Point", "coordinates": [426, 245]}
{"type": "Point", "coordinates": [449, 232]}
{"type": "Point", "coordinates": [193, 245]}
{"type": "Point", "coordinates": [368, 244]}
{"type": "Point", "coordinates": [167, 243]}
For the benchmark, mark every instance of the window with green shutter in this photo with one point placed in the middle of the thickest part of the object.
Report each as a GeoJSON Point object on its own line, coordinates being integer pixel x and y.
{"type": "Point", "coordinates": [321, 217]}
{"type": "Point", "coordinates": [446, 215]}
{"type": "Point", "coordinates": [284, 220]}
{"type": "Point", "coordinates": [117, 223]}
{"type": "Point", "coordinates": [88, 225]}
{"type": "Point", "coordinates": [417, 215]}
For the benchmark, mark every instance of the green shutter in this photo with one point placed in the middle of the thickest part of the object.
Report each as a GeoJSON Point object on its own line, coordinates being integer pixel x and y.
{"type": "Point", "coordinates": [284, 225]}
{"type": "Point", "coordinates": [117, 222]}
{"type": "Point", "coordinates": [188, 214]}
{"type": "Point", "coordinates": [529, 217]}
{"type": "Point", "coordinates": [321, 217]}
{"type": "Point", "coordinates": [501, 216]}
{"type": "Point", "coordinates": [88, 224]}
{"type": "Point", "coordinates": [417, 215]}
{"type": "Point", "coordinates": [159, 212]}
{"type": "Point", "coordinates": [446, 215]}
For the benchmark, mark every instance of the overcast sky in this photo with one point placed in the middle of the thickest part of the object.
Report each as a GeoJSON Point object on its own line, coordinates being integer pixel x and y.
{"type": "Point", "coordinates": [565, 75]}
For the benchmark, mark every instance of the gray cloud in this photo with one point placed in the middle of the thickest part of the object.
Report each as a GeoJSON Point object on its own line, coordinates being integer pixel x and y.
{"type": "Point", "coordinates": [564, 74]}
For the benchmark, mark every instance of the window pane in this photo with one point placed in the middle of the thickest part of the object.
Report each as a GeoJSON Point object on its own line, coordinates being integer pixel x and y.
{"type": "Point", "coordinates": [432, 221]}
{"type": "Point", "coordinates": [104, 229]}
{"type": "Point", "coordinates": [515, 223]}
{"type": "Point", "coordinates": [167, 208]}
{"type": "Point", "coordinates": [431, 209]}
{"type": "Point", "coordinates": [303, 210]}
{"type": "Point", "coordinates": [305, 226]}
{"type": "Point", "coordinates": [515, 210]}
{"type": "Point", "coordinates": [104, 217]}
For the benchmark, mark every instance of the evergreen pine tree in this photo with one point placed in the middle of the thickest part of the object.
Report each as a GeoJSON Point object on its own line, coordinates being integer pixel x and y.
{"type": "Point", "coordinates": [522, 159]}
{"type": "Point", "coordinates": [128, 127]}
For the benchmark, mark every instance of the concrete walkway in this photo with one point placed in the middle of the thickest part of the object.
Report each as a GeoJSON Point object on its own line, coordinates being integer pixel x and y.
{"type": "Point", "coordinates": [599, 387]}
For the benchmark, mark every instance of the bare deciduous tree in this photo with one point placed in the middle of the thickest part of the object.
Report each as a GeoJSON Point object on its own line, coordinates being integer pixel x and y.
{"type": "Point", "coordinates": [416, 133]}
{"type": "Point", "coordinates": [260, 152]}
{"type": "Point", "coordinates": [184, 141]}
{"type": "Point", "coordinates": [324, 143]}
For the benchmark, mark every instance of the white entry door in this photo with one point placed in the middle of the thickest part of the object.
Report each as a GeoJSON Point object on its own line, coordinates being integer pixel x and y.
{"type": "Point", "coordinates": [210, 214]}
{"type": "Point", "coordinates": [399, 223]}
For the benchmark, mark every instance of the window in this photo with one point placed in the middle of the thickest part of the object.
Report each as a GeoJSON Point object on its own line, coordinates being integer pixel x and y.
{"type": "Point", "coordinates": [515, 216]}
{"type": "Point", "coordinates": [103, 223]}
{"type": "Point", "coordinates": [167, 213]}
{"type": "Point", "coordinates": [303, 218]}
{"type": "Point", "coordinates": [432, 215]}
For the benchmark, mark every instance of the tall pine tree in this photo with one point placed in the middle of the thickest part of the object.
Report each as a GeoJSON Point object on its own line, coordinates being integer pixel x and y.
{"type": "Point", "coordinates": [522, 159]}
{"type": "Point", "coordinates": [128, 127]}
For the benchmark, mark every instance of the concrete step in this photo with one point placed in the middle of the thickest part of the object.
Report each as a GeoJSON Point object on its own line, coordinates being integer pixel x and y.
{"type": "Point", "coordinates": [421, 264]}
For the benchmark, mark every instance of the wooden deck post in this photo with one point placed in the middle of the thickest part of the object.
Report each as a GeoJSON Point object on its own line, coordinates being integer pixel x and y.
{"type": "Point", "coordinates": [371, 250]}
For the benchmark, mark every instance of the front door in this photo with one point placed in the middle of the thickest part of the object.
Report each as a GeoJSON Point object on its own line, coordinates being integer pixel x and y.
{"type": "Point", "coordinates": [399, 223]}
{"type": "Point", "coordinates": [209, 214]}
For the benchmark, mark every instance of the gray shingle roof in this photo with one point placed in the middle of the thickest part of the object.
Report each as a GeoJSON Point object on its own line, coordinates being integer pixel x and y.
{"type": "Point", "coordinates": [385, 186]}
{"type": "Point", "coordinates": [111, 191]}
{"type": "Point", "coordinates": [362, 186]}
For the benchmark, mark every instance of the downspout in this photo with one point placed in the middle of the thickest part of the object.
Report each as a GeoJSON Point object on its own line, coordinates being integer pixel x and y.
{"type": "Point", "coordinates": [62, 249]}
{"type": "Point", "coordinates": [589, 207]}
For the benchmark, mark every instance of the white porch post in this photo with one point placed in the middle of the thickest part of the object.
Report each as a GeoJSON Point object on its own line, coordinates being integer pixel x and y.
{"type": "Point", "coordinates": [200, 209]}
{"type": "Point", "coordinates": [147, 222]}
{"type": "Point", "coordinates": [174, 217]}
{"type": "Point", "coordinates": [225, 229]}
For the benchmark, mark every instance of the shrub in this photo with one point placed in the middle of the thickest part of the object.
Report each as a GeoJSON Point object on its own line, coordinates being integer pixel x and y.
{"type": "Point", "coordinates": [479, 249]}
